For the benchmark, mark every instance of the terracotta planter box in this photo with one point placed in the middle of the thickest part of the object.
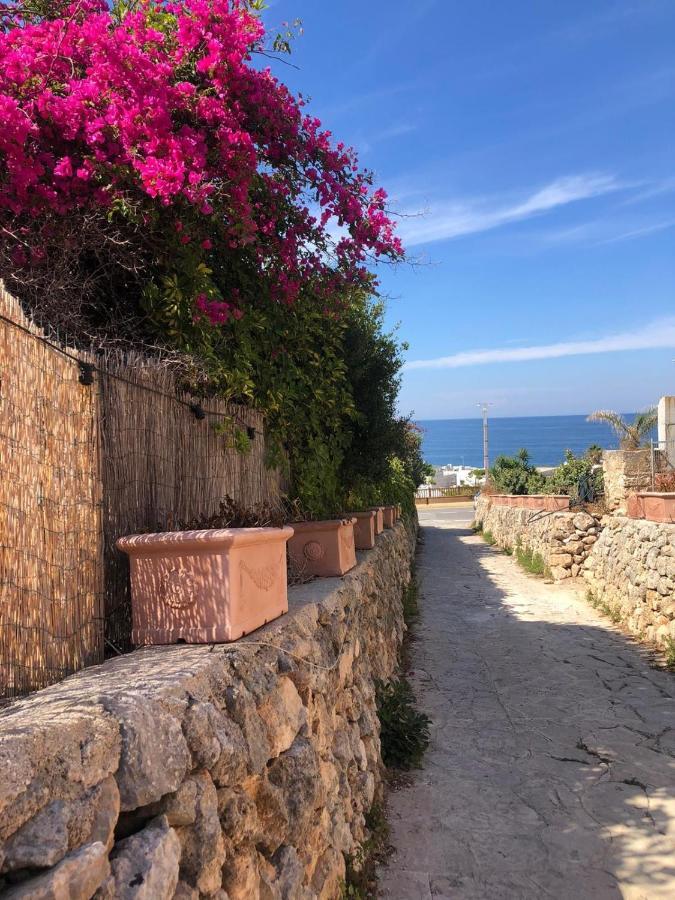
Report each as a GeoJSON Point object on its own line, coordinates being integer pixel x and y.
{"type": "Point", "coordinates": [323, 548]}
{"type": "Point", "coordinates": [635, 507]}
{"type": "Point", "coordinates": [379, 519]}
{"type": "Point", "coordinates": [657, 506]}
{"type": "Point", "coordinates": [389, 516]}
{"type": "Point", "coordinates": [202, 587]}
{"type": "Point", "coordinates": [364, 530]}
{"type": "Point", "coordinates": [556, 502]}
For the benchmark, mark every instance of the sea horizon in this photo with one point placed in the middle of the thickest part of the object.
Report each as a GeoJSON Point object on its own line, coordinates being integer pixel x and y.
{"type": "Point", "coordinates": [460, 441]}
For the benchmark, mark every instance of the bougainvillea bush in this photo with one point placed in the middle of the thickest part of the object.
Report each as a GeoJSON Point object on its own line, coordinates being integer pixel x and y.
{"type": "Point", "coordinates": [159, 186]}
{"type": "Point", "coordinates": [142, 147]}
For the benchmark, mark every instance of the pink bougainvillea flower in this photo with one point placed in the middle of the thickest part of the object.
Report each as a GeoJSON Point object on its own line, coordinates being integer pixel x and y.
{"type": "Point", "coordinates": [105, 113]}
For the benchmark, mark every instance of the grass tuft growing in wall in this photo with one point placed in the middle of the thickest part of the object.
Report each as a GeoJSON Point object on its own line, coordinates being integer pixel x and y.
{"type": "Point", "coordinates": [404, 730]}
{"type": "Point", "coordinates": [361, 876]}
{"type": "Point", "coordinates": [669, 651]}
{"type": "Point", "coordinates": [489, 538]}
{"type": "Point", "coordinates": [530, 561]}
{"type": "Point", "coordinates": [612, 612]}
{"type": "Point", "coordinates": [411, 602]}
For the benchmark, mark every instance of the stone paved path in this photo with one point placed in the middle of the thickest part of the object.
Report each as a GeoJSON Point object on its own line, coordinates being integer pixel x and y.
{"type": "Point", "coordinates": [552, 767]}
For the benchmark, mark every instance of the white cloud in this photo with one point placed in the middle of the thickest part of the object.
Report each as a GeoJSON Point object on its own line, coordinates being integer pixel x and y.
{"type": "Point", "coordinates": [606, 231]}
{"type": "Point", "coordinates": [656, 335]}
{"type": "Point", "coordinates": [454, 219]}
{"type": "Point", "coordinates": [639, 232]}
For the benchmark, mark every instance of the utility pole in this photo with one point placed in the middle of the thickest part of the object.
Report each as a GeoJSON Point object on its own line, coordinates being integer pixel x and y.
{"type": "Point", "coordinates": [486, 454]}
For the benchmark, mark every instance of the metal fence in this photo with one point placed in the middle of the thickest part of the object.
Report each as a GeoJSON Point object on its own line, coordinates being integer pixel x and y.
{"type": "Point", "coordinates": [662, 464]}
{"type": "Point", "coordinates": [427, 492]}
{"type": "Point", "coordinates": [92, 448]}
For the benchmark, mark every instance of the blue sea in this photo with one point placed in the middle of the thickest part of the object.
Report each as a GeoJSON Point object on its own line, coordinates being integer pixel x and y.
{"type": "Point", "coordinates": [460, 441]}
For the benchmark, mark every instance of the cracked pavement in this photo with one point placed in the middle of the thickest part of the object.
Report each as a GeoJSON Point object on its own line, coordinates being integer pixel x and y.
{"type": "Point", "coordinates": [551, 771]}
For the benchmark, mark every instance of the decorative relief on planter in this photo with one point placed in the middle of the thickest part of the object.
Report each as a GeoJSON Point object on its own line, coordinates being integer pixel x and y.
{"type": "Point", "coordinates": [179, 589]}
{"type": "Point", "coordinates": [314, 550]}
{"type": "Point", "coordinates": [263, 577]}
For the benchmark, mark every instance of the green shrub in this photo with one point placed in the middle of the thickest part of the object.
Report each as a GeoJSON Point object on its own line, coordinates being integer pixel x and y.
{"type": "Point", "coordinates": [670, 652]}
{"type": "Point", "coordinates": [515, 475]}
{"type": "Point", "coordinates": [576, 477]}
{"type": "Point", "coordinates": [489, 538]}
{"type": "Point", "coordinates": [404, 731]}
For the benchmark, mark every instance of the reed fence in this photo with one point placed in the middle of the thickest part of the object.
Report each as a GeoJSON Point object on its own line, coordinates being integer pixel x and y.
{"type": "Point", "coordinates": [161, 465]}
{"type": "Point", "coordinates": [51, 612]}
{"type": "Point", "coordinates": [87, 455]}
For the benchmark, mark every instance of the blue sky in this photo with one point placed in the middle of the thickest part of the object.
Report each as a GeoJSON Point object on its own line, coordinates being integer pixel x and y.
{"type": "Point", "coordinates": [530, 147]}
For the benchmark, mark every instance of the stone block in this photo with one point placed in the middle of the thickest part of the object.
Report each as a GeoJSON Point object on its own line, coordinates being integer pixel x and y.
{"type": "Point", "coordinates": [563, 560]}
{"type": "Point", "coordinates": [283, 715]}
{"type": "Point", "coordinates": [77, 877]}
{"type": "Point", "coordinates": [155, 756]}
{"type": "Point", "coordinates": [145, 866]}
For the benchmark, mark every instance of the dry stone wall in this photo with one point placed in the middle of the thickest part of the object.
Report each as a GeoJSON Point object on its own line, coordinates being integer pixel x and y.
{"type": "Point", "coordinates": [563, 539]}
{"type": "Point", "coordinates": [627, 472]}
{"type": "Point", "coordinates": [240, 771]}
{"type": "Point", "coordinates": [632, 572]}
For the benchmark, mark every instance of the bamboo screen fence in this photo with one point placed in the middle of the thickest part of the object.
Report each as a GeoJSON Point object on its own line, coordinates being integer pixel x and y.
{"type": "Point", "coordinates": [51, 613]}
{"type": "Point", "coordinates": [81, 465]}
{"type": "Point", "coordinates": [163, 466]}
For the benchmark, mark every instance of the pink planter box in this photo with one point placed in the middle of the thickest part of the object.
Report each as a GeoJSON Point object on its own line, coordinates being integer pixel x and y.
{"type": "Point", "coordinates": [556, 502]}
{"type": "Point", "coordinates": [635, 507]}
{"type": "Point", "coordinates": [364, 529]}
{"type": "Point", "coordinates": [548, 502]}
{"type": "Point", "coordinates": [206, 586]}
{"type": "Point", "coordinates": [655, 506]}
{"type": "Point", "coordinates": [389, 516]}
{"type": "Point", "coordinates": [323, 548]}
{"type": "Point", "coordinates": [379, 519]}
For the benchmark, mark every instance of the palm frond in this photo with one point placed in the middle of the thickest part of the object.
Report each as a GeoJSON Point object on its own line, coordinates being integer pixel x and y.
{"type": "Point", "coordinates": [613, 419]}
{"type": "Point", "coordinates": [630, 434]}
{"type": "Point", "coordinates": [645, 421]}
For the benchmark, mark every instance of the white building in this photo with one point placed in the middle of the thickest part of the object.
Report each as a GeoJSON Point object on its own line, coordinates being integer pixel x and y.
{"type": "Point", "coordinates": [455, 476]}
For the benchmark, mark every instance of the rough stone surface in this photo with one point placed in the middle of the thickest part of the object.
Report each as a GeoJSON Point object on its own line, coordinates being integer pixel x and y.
{"type": "Point", "coordinates": [627, 472]}
{"type": "Point", "coordinates": [145, 866]}
{"type": "Point", "coordinates": [632, 572]}
{"type": "Point", "coordinates": [241, 770]}
{"type": "Point", "coordinates": [76, 877]}
{"type": "Point", "coordinates": [560, 538]}
{"type": "Point", "coordinates": [551, 770]}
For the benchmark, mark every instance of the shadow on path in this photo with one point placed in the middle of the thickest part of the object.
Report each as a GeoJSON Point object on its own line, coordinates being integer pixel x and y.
{"type": "Point", "coordinates": [551, 771]}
